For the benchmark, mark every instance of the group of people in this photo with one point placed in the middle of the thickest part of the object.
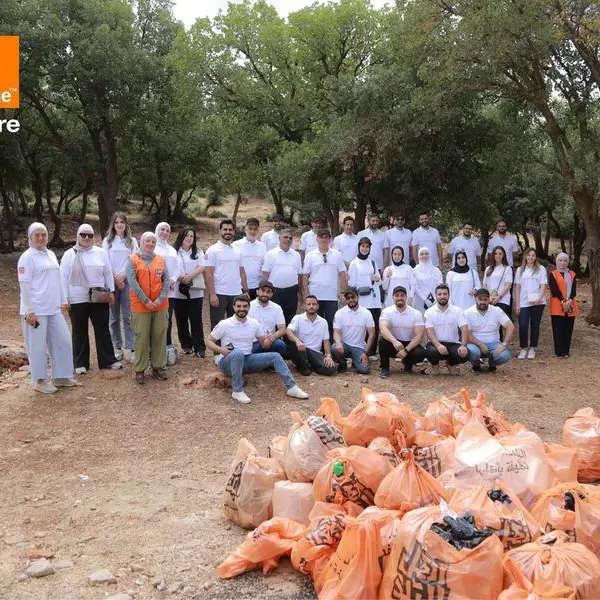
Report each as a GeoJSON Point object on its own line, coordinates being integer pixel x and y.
{"type": "Point", "coordinates": [395, 300]}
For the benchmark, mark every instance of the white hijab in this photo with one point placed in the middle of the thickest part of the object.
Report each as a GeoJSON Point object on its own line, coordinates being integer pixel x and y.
{"type": "Point", "coordinates": [565, 272]}
{"type": "Point", "coordinates": [146, 235]}
{"type": "Point", "coordinates": [31, 230]}
{"type": "Point", "coordinates": [78, 276]}
{"type": "Point", "coordinates": [160, 242]}
{"type": "Point", "coordinates": [425, 266]}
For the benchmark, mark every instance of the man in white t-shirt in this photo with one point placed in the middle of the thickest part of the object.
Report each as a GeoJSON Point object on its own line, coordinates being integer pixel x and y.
{"type": "Point", "coordinates": [507, 241]}
{"type": "Point", "coordinates": [308, 240]}
{"type": "Point", "coordinates": [398, 235]}
{"type": "Point", "coordinates": [378, 240]}
{"type": "Point", "coordinates": [253, 255]}
{"type": "Point", "coordinates": [271, 238]}
{"type": "Point", "coordinates": [443, 323]}
{"type": "Point", "coordinates": [234, 356]}
{"type": "Point", "coordinates": [401, 331]}
{"type": "Point", "coordinates": [224, 274]}
{"type": "Point", "coordinates": [347, 241]}
{"type": "Point", "coordinates": [309, 344]}
{"type": "Point", "coordinates": [484, 321]}
{"type": "Point", "coordinates": [427, 237]}
{"type": "Point", "coordinates": [351, 326]}
{"type": "Point", "coordinates": [271, 319]}
{"type": "Point", "coordinates": [468, 243]}
{"type": "Point", "coordinates": [325, 277]}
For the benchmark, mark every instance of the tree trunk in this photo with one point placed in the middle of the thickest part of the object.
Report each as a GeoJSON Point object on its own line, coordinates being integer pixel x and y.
{"type": "Point", "coordinates": [277, 200]}
{"type": "Point", "coordinates": [178, 209]}
{"type": "Point", "coordinates": [578, 242]}
{"type": "Point", "coordinates": [84, 205]}
{"type": "Point", "coordinates": [360, 212]}
{"type": "Point", "coordinates": [559, 231]}
{"type": "Point", "coordinates": [236, 208]}
{"type": "Point", "coordinates": [24, 207]}
{"type": "Point", "coordinates": [537, 238]}
{"type": "Point", "coordinates": [8, 218]}
{"type": "Point", "coordinates": [485, 239]}
{"type": "Point", "coordinates": [525, 239]}
{"type": "Point", "coordinates": [56, 240]}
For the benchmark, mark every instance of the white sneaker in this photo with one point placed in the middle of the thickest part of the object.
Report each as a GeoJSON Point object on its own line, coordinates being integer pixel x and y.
{"type": "Point", "coordinates": [434, 370]}
{"type": "Point", "coordinates": [116, 365]}
{"type": "Point", "coordinates": [454, 369]}
{"type": "Point", "coordinates": [80, 371]}
{"type": "Point", "coordinates": [119, 354]}
{"type": "Point", "coordinates": [523, 354]}
{"type": "Point", "coordinates": [296, 392]}
{"type": "Point", "coordinates": [45, 388]}
{"type": "Point", "coordinates": [64, 382]}
{"type": "Point", "coordinates": [131, 356]}
{"type": "Point", "coordinates": [241, 397]}
{"type": "Point", "coordinates": [531, 354]}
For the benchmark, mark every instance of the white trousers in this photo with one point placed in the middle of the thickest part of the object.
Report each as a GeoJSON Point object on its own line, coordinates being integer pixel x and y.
{"type": "Point", "coordinates": [51, 337]}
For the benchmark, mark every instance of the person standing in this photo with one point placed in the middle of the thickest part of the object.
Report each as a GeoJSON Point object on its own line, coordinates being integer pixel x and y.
{"type": "Point", "coordinates": [283, 268]}
{"type": "Point", "coordinates": [253, 255]}
{"type": "Point", "coordinates": [149, 282]}
{"type": "Point", "coordinates": [271, 238]}
{"type": "Point", "coordinates": [120, 244]}
{"type": "Point", "coordinates": [463, 281]}
{"type": "Point", "coordinates": [271, 319]}
{"type": "Point", "coordinates": [467, 242]}
{"type": "Point", "coordinates": [427, 277]}
{"type": "Point", "coordinates": [398, 235]}
{"type": "Point", "coordinates": [398, 274]}
{"type": "Point", "coordinates": [42, 307]}
{"type": "Point", "coordinates": [325, 277]}
{"type": "Point", "coordinates": [443, 323]}
{"type": "Point", "coordinates": [347, 241]}
{"type": "Point", "coordinates": [531, 281]}
{"type": "Point", "coordinates": [308, 240]}
{"type": "Point", "coordinates": [498, 279]}
{"type": "Point", "coordinates": [428, 237]}
{"type": "Point", "coordinates": [377, 238]}
{"type": "Point", "coordinates": [507, 241]}
{"type": "Point", "coordinates": [224, 274]}
{"type": "Point", "coordinates": [563, 305]}
{"type": "Point", "coordinates": [88, 278]}
{"type": "Point", "coordinates": [189, 293]}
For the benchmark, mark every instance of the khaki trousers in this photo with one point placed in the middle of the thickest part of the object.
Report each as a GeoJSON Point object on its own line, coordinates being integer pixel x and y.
{"type": "Point", "coordinates": [150, 334]}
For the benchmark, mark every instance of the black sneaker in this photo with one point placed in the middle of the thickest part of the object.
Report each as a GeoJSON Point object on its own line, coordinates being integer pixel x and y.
{"type": "Point", "coordinates": [200, 353]}
{"type": "Point", "coordinates": [477, 367]}
{"type": "Point", "coordinates": [187, 351]}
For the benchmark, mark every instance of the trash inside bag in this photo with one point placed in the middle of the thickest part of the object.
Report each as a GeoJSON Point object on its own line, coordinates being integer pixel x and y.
{"type": "Point", "coordinates": [461, 532]}
{"type": "Point", "coordinates": [582, 432]}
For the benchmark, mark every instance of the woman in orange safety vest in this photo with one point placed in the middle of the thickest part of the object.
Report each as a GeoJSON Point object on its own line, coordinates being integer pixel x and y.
{"type": "Point", "coordinates": [563, 306]}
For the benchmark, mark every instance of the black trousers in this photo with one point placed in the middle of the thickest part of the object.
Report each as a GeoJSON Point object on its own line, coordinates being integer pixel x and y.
{"type": "Point", "coordinates": [98, 314]}
{"type": "Point", "coordinates": [452, 357]}
{"type": "Point", "coordinates": [562, 332]}
{"type": "Point", "coordinates": [327, 310]}
{"type": "Point", "coordinates": [309, 360]}
{"type": "Point", "coordinates": [217, 313]}
{"type": "Point", "coordinates": [188, 315]}
{"type": "Point", "coordinates": [170, 323]}
{"type": "Point", "coordinates": [287, 298]}
{"type": "Point", "coordinates": [376, 312]}
{"type": "Point", "coordinates": [252, 293]}
{"type": "Point", "coordinates": [507, 309]}
{"type": "Point", "coordinates": [387, 351]}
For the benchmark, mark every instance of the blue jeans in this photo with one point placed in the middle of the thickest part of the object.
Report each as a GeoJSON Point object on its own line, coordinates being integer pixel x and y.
{"type": "Point", "coordinates": [121, 308]}
{"type": "Point", "coordinates": [475, 353]}
{"type": "Point", "coordinates": [533, 315]}
{"type": "Point", "coordinates": [353, 352]}
{"type": "Point", "coordinates": [236, 363]}
{"type": "Point", "coordinates": [278, 346]}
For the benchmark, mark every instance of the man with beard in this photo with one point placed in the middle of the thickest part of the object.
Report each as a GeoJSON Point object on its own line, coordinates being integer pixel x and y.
{"type": "Point", "coordinates": [484, 321]}
{"type": "Point", "coordinates": [351, 326]}
{"type": "Point", "coordinates": [427, 237]}
{"type": "Point", "coordinates": [253, 255]}
{"type": "Point", "coordinates": [271, 238]}
{"type": "Point", "coordinates": [507, 241]}
{"type": "Point", "coordinates": [468, 243]}
{"type": "Point", "coordinates": [443, 321]}
{"type": "Point", "coordinates": [234, 356]}
{"type": "Point", "coordinates": [271, 319]}
{"type": "Point", "coordinates": [401, 330]}
{"type": "Point", "coordinates": [308, 240]}
{"type": "Point", "coordinates": [309, 344]}
{"type": "Point", "coordinates": [224, 274]}
{"type": "Point", "coordinates": [347, 241]}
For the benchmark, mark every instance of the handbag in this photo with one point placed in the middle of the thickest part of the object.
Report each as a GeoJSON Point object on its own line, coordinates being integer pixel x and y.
{"type": "Point", "coordinates": [198, 282]}
{"type": "Point", "coordinates": [99, 295]}
{"type": "Point", "coordinates": [365, 290]}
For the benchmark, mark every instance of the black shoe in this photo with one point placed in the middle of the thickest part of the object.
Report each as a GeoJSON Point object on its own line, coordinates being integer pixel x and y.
{"type": "Point", "coordinates": [200, 354]}
{"type": "Point", "coordinates": [492, 368]}
{"type": "Point", "coordinates": [187, 351]}
{"type": "Point", "coordinates": [160, 374]}
{"type": "Point", "coordinates": [306, 373]}
{"type": "Point", "coordinates": [477, 367]}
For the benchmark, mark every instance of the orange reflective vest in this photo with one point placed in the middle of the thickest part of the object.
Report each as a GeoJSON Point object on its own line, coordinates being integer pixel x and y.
{"type": "Point", "coordinates": [556, 308]}
{"type": "Point", "coordinates": [150, 278]}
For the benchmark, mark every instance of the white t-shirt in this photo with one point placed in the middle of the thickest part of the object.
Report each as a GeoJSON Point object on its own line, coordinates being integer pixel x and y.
{"type": "Point", "coordinates": [97, 269]}
{"type": "Point", "coordinates": [402, 324]}
{"type": "Point", "coordinates": [353, 325]}
{"type": "Point", "coordinates": [308, 241]}
{"type": "Point", "coordinates": [39, 268]}
{"type": "Point", "coordinates": [485, 327]}
{"type": "Point", "coordinates": [531, 285]}
{"type": "Point", "coordinates": [172, 263]}
{"type": "Point", "coordinates": [323, 277]}
{"type": "Point", "coordinates": [241, 335]}
{"type": "Point", "coordinates": [427, 238]}
{"type": "Point", "coordinates": [226, 260]}
{"type": "Point", "coordinates": [186, 265]}
{"type": "Point", "coordinates": [271, 240]}
{"type": "Point", "coordinates": [253, 257]}
{"type": "Point", "coordinates": [359, 275]}
{"type": "Point", "coordinates": [268, 316]}
{"type": "Point", "coordinates": [402, 237]}
{"type": "Point", "coordinates": [460, 285]}
{"type": "Point", "coordinates": [394, 276]}
{"type": "Point", "coordinates": [118, 253]}
{"type": "Point", "coordinates": [500, 276]}
{"type": "Point", "coordinates": [508, 242]}
{"type": "Point", "coordinates": [347, 245]}
{"type": "Point", "coordinates": [283, 267]}
{"type": "Point", "coordinates": [311, 333]}
{"type": "Point", "coordinates": [378, 239]}
{"type": "Point", "coordinates": [446, 324]}
{"type": "Point", "coordinates": [470, 245]}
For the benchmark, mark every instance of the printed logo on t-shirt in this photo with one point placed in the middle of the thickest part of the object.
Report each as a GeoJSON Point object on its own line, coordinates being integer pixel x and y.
{"type": "Point", "coordinates": [21, 270]}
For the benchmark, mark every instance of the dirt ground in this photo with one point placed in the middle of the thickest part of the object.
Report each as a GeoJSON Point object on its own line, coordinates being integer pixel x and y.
{"type": "Point", "coordinates": [128, 478]}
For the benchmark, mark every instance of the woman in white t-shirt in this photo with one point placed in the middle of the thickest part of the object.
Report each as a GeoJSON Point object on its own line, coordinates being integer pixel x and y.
{"type": "Point", "coordinates": [427, 277]}
{"type": "Point", "coordinates": [189, 293]}
{"type": "Point", "coordinates": [119, 244]}
{"type": "Point", "coordinates": [398, 273]}
{"type": "Point", "coordinates": [498, 279]}
{"type": "Point", "coordinates": [463, 281]}
{"type": "Point", "coordinates": [531, 281]}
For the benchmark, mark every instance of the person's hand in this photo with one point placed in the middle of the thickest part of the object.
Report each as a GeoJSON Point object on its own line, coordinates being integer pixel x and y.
{"type": "Point", "coordinates": [401, 353]}
{"type": "Point", "coordinates": [186, 279]}
{"type": "Point", "coordinates": [498, 349]}
{"type": "Point", "coordinates": [214, 300]}
{"type": "Point", "coordinates": [30, 318]}
{"type": "Point", "coordinates": [328, 362]}
{"type": "Point", "coordinates": [267, 342]}
{"type": "Point", "coordinates": [387, 273]}
{"type": "Point", "coordinates": [150, 305]}
{"type": "Point", "coordinates": [472, 292]}
{"type": "Point", "coordinates": [364, 359]}
{"type": "Point", "coordinates": [484, 350]}
{"type": "Point", "coordinates": [111, 299]}
{"type": "Point", "coordinates": [300, 299]}
{"type": "Point", "coordinates": [301, 347]}
{"type": "Point", "coordinates": [225, 351]}
{"type": "Point", "coordinates": [442, 349]}
{"type": "Point", "coordinates": [517, 310]}
{"type": "Point", "coordinates": [171, 286]}
{"type": "Point", "coordinates": [462, 350]}
{"type": "Point", "coordinates": [64, 309]}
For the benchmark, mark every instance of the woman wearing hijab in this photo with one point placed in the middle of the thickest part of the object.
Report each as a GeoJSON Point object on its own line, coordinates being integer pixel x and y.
{"type": "Point", "coordinates": [364, 276]}
{"type": "Point", "coordinates": [427, 277]}
{"type": "Point", "coordinates": [119, 244]}
{"type": "Point", "coordinates": [149, 280]}
{"type": "Point", "coordinates": [88, 278]}
{"type": "Point", "coordinates": [563, 306]}
{"type": "Point", "coordinates": [463, 281]}
{"type": "Point", "coordinates": [398, 273]}
{"type": "Point", "coordinates": [43, 304]}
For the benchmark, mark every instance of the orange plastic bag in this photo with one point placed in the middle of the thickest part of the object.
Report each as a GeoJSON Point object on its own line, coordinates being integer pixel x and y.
{"type": "Point", "coordinates": [433, 452]}
{"type": "Point", "coordinates": [423, 565]}
{"type": "Point", "coordinates": [563, 461]}
{"type": "Point", "coordinates": [555, 561]}
{"type": "Point", "coordinates": [582, 524]}
{"type": "Point", "coordinates": [330, 411]}
{"type": "Point", "coordinates": [350, 477]}
{"type": "Point", "coordinates": [384, 447]}
{"type": "Point", "coordinates": [510, 520]}
{"type": "Point", "coordinates": [307, 447]}
{"type": "Point", "coordinates": [480, 411]}
{"type": "Point", "coordinates": [277, 448]}
{"type": "Point", "coordinates": [523, 589]}
{"type": "Point", "coordinates": [439, 416]}
{"type": "Point", "coordinates": [409, 486]}
{"type": "Point", "coordinates": [582, 432]}
{"type": "Point", "coordinates": [293, 500]}
{"type": "Point", "coordinates": [248, 495]}
{"type": "Point", "coordinates": [265, 545]}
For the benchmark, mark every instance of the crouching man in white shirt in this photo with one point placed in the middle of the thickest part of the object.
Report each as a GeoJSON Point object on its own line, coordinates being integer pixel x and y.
{"type": "Point", "coordinates": [234, 355]}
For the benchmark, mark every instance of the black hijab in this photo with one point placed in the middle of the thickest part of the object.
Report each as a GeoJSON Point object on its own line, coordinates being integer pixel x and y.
{"type": "Point", "coordinates": [364, 240]}
{"type": "Point", "coordinates": [466, 268]}
{"type": "Point", "coordinates": [397, 264]}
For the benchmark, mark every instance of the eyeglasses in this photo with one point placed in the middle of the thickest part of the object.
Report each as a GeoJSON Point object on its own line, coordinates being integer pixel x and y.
{"type": "Point", "coordinates": [285, 237]}
{"type": "Point", "coordinates": [325, 258]}
{"type": "Point", "coordinates": [89, 236]}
